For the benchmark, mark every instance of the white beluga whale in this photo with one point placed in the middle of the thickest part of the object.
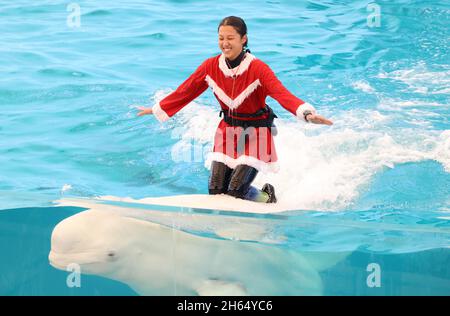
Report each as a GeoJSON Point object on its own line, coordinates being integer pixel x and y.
{"type": "Point", "coordinates": [140, 248]}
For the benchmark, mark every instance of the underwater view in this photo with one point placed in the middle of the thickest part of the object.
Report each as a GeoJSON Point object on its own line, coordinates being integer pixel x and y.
{"type": "Point", "coordinates": [95, 200]}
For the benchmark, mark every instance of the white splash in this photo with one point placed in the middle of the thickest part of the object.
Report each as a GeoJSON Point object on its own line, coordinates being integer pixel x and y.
{"type": "Point", "coordinates": [327, 167]}
{"type": "Point", "coordinates": [363, 86]}
{"type": "Point", "coordinates": [421, 80]}
{"type": "Point", "coordinates": [66, 187]}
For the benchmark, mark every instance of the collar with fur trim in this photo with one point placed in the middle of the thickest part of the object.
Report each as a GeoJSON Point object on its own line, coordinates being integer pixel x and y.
{"type": "Point", "coordinates": [245, 63]}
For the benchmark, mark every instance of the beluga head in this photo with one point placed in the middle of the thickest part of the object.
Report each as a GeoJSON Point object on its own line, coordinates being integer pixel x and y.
{"type": "Point", "coordinates": [113, 246]}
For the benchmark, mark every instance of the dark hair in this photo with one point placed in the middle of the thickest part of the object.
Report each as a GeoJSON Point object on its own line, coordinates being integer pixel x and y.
{"type": "Point", "coordinates": [239, 25]}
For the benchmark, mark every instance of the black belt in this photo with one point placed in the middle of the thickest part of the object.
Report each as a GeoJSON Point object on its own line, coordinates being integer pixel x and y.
{"type": "Point", "coordinates": [266, 122]}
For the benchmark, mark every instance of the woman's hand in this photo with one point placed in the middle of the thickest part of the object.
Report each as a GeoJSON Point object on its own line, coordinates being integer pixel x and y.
{"type": "Point", "coordinates": [144, 111]}
{"type": "Point", "coordinates": [318, 119]}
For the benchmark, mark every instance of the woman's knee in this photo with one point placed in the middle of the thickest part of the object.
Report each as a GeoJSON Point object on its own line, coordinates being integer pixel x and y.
{"type": "Point", "coordinates": [219, 178]}
{"type": "Point", "coordinates": [240, 180]}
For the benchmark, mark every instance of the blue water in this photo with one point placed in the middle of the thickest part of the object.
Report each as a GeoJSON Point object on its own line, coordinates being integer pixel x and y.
{"type": "Point", "coordinates": [377, 182]}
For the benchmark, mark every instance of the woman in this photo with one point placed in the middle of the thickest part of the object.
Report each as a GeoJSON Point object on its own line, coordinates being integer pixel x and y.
{"type": "Point", "coordinates": [243, 144]}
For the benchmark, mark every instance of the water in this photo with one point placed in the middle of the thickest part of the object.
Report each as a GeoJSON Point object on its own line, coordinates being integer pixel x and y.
{"type": "Point", "coordinates": [376, 183]}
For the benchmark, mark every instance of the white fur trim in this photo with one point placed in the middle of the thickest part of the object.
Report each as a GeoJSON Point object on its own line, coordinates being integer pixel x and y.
{"type": "Point", "coordinates": [261, 166]}
{"type": "Point", "coordinates": [241, 68]}
{"type": "Point", "coordinates": [232, 104]}
{"type": "Point", "coordinates": [159, 113]}
{"type": "Point", "coordinates": [302, 108]}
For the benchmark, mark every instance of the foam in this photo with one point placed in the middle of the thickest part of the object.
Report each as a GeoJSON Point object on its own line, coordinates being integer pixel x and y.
{"type": "Point", "coordinates": [363, 85]}
{"type": "Point", "coordinates": [66, 187]}
{"type": "Point", "coordinates": [399, 105]}
{"type": "Point", "coordinates": [421, 80]}
{"type": "Point", "coordinates": [325, 167]}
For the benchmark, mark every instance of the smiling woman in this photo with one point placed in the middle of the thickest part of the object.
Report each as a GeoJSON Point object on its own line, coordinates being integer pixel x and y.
{"type": "Point", "coordinates": [240, 82]}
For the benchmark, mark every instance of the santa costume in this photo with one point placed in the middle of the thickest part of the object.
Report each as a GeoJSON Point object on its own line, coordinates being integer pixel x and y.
{"type": "Point", "coordinates": [241, 92]}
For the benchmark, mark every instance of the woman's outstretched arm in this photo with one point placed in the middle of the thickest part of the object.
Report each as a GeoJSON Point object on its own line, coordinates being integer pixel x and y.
{"type": "Point", "coordinates": [190, 89]}
{"type": "Point", "coordinates": [290, 102]}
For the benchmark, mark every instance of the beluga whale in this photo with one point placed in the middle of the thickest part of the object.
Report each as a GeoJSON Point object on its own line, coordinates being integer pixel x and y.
{"type": "Point", "coordinates": [154, 258]}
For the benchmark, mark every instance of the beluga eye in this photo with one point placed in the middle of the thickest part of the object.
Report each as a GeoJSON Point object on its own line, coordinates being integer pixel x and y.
{"type": "Point", "coordinates": [111, 254]}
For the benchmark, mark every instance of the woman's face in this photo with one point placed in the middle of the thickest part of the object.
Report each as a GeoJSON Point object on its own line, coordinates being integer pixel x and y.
{"type": "Point", "coordinates": [230, 41]}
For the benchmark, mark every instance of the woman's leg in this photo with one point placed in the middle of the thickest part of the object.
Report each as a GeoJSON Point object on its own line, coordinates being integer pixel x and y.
{"type": "Point", "coordinates": [219, 178]}
{"type": "Point", "coordinates": [240, 181]}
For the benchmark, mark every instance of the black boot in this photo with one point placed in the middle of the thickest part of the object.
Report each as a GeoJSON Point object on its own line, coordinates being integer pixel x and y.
{"type": "Point", "coordinates": [219, 178]}
{"type": "Point", "coordinates": [270, 190]}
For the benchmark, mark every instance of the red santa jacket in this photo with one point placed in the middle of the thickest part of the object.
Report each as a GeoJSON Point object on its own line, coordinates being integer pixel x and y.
{"type": "Point", "coordinates": [242, 90]}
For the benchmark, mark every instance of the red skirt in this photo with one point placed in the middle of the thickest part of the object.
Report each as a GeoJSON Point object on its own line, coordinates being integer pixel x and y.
{"type": "Point", "coordinates": [253, 146]}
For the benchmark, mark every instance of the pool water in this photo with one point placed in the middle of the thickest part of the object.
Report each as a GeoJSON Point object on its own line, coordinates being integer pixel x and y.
{"type": "Point", "coordinates": [376, 184]}
{"type": "Point", "coordinates": [382, 257]}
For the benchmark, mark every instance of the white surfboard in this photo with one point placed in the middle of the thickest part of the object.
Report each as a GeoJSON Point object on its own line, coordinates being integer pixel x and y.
{"type": "Point", "coordinates": [204, 201]}
{"type": "Point", "coordinates": [220, 215]}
